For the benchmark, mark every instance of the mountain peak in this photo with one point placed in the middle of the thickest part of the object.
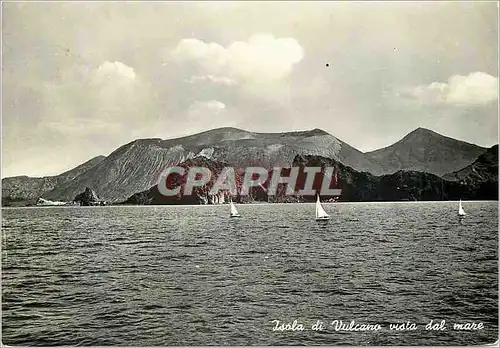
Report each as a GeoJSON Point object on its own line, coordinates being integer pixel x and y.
{"type": "Point", "coordinates": [227, 129]}
{"type": "Point", "coordinates": [318, 131]}
{"type": "Point", "coordinates": [423, 132]}
{"type": "Point", "coordinates": [427, 151]}
{"type": "Point", "coordinates": [421, 129]}
{"type": "Point", "coordinates": [307, 133]}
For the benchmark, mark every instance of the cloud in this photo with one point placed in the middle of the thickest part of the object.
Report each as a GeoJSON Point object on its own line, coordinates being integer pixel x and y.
{"type": "Point", "coordinates": [218, 80]}
{"type": "Point", "coordinates": [113, 72]}
{"type": "Point", "coordinates": [113, 88]}
{"type": "Point", "coordinates": [262, 58]}
{"type": "Point", "coordinates": [102, 101]}
{"type": "Point", "coordinates": [114, 84]}
{"type": "Point", "coordinates": [115, 68]}
{"type": "Point", "coordinates": [202, 108]}
{"type": "Point", "coordinates": [474, 89]}
{"type": "Point", "coordinates": [56, 69]}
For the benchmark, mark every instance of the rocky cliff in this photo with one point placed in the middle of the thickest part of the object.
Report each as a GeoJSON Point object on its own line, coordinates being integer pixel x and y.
{"type": "Point", "coordinates": [356, 186]}
{"type": "Point", "coordinates": [403, 185]}
{"type": "Point", "coordinates": [483, 169]}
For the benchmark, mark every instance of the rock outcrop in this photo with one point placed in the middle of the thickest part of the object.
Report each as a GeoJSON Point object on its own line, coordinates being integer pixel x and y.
{"type": "Point", "coordinates": [483, 169]}
{"type": "Point", "coordinates": [403, 185]}
{"type": "Point", "coordinates": [356, 186]}
{"type": "Point", "coordinates": [88, 198]}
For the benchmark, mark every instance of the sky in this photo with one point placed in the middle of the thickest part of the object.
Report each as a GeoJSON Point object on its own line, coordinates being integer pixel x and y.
{"type": "Point", "coordinates": [81, 79]}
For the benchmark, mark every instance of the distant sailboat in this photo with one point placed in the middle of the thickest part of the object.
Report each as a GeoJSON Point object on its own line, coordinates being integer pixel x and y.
{"type": "Point", "coordinates": [461, 211]}
{"type": "Point", "coordinates": [321, 214]}
{"type": "Point", "coordinates": [234, 212]}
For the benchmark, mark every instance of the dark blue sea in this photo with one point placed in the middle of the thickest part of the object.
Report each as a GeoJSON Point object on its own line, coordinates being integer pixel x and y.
{"type": "Point", "coordinates": [189, 275]}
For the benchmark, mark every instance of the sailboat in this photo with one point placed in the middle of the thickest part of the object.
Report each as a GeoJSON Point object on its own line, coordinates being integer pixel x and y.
{"type": "Point", "coordinates": [321, 214]}
{"type": "Point", "coordinates": [461, 211]}
{"type": "Point", "coordinates": [234, 212]}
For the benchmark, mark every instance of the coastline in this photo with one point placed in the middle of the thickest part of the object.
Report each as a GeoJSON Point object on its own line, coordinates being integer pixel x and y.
{"type": "Point", "coordinates": [249, 204]}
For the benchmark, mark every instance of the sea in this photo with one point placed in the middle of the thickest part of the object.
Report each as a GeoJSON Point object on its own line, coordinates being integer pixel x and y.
{"type": "Point", "coordinates": [190, 275]}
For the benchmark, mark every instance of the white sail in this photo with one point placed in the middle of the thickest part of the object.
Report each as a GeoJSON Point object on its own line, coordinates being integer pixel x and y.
{"type": "Point", "coordinates": [234, 212]}
{"type": "Point", "coordinates": [320, 212]}
{"type": "Point", "coordinates": [461, 211]}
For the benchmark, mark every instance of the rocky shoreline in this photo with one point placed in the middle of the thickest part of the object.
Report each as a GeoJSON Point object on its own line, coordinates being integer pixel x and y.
{"type": "Point", "coordinates": [356, 187]}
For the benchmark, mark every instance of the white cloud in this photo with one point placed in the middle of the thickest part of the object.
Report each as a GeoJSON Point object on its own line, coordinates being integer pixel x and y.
{"type": "Point", "coordinates": [114, 70]}
{"type": "Point", "coordinates": [262, 58]}
{"type": "Point", "coordinates": [101, 101]}
{"type": "Point", "coordinates": [474, 89]}
{"type": "Point", "coordinates": [219, 80]}
{"type": "Point", "coordinates": [204, 108]}
{"type": "Point", "coordinates": [114, 87]}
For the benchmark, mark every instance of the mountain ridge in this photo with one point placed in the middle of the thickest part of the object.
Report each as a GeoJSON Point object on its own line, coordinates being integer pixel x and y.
{"type": "Point", "coordinates": [484, 168]}
{"type": "Point", "coordinates": [404, 185]}
{"type": "Point", "coordinates": [426, 151]}
{"type": "Point", "coordinates": [135, 166]}
{"type": "Point", "coordinates": [25, 188]}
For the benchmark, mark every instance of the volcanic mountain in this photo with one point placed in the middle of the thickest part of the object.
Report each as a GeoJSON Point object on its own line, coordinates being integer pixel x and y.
{"type": "Point", "coordinates": [136, 166]}
{"type": "Point", "coordinates": [426, 151]}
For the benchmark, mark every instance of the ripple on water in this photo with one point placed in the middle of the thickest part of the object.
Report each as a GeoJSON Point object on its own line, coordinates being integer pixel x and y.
{"type": "Point", "coordinates": [190, 276]}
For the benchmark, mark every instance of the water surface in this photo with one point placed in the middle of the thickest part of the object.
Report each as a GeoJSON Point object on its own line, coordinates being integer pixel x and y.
{"type": "Point", "coordinates": [179, 275]}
